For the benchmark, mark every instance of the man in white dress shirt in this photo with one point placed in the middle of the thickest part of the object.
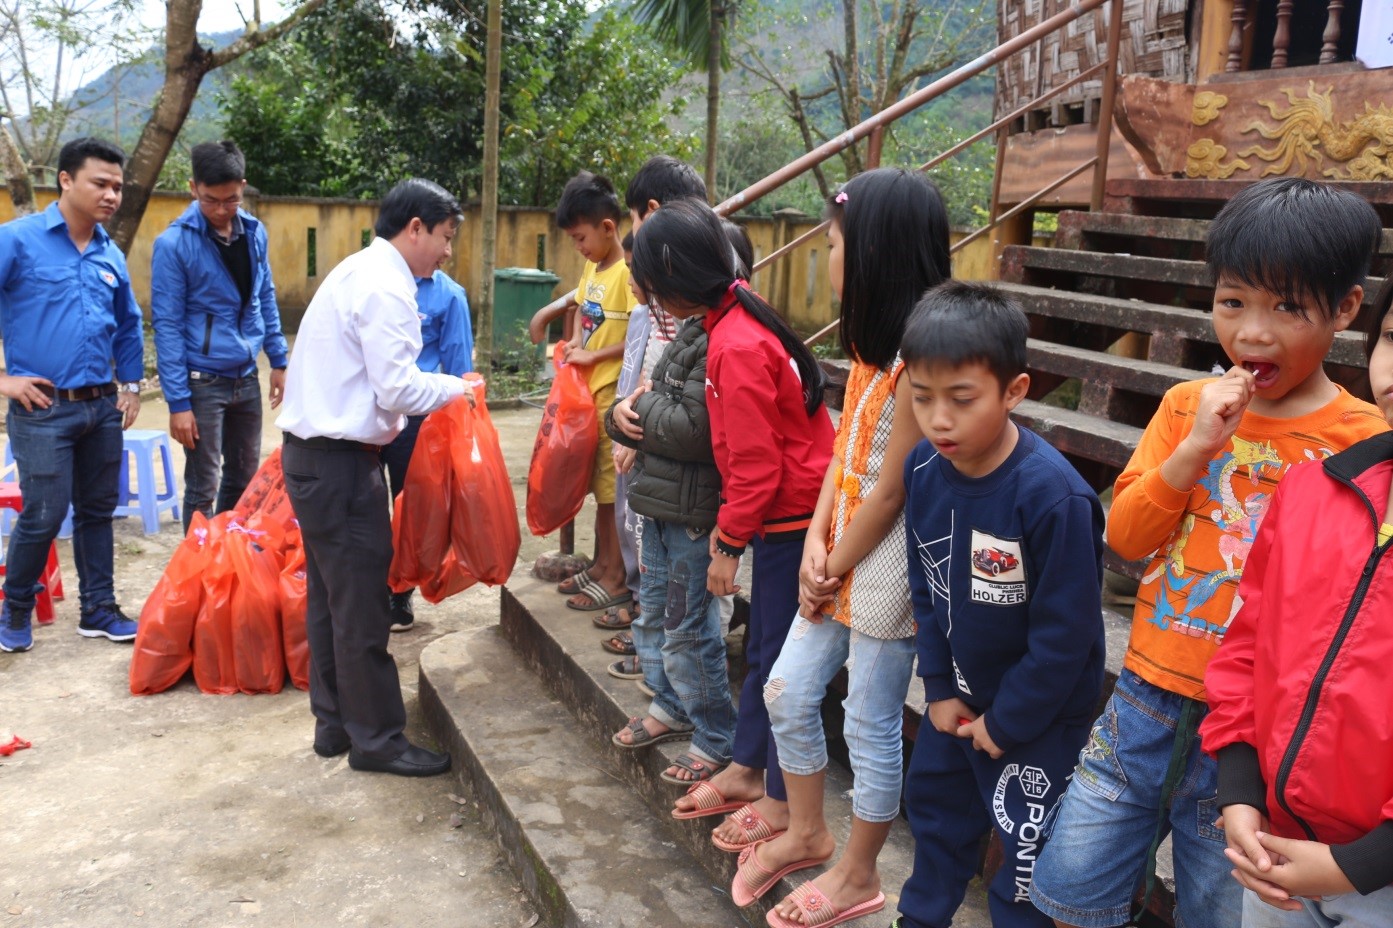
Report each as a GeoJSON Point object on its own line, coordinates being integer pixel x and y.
{"type": "Point", "coordinates": [352, 381]}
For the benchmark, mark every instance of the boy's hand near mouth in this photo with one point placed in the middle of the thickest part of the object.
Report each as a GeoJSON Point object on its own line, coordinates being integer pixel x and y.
{"type": "Point", "coordinates": [1221, 407]}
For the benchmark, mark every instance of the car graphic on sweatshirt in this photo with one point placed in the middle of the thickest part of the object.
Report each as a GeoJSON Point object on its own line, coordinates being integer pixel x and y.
{"type": "Point", "coordinates": [994, 561]}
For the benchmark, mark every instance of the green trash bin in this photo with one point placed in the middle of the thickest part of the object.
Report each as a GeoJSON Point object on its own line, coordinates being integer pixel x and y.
{"type": "Point", "coordinates": [518, 292]}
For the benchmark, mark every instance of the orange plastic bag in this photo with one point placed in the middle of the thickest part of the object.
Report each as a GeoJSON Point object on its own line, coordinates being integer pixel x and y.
{"type": "Point", "coordinates": [421, 513]}
{"type": "Point", "coordinates": [293, 590]}
{"type": "Point", "coordinates": [266, 496]}
{"type": "Point", "coordinates": [483, 510]}
{"type": "Point", "coordinates": [258, 656]}
{"type": "Point", "coordinates": [214, 668]}
{"type": "Point", "coordinates": [164, 639]}
{"type": "Point", "coordinates": [449, 578]}
{"type": "Point", "coordinates": [564, 454]}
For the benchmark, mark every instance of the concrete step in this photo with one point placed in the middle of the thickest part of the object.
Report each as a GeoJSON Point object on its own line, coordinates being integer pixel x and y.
{"type": "Point", "coordinates": [1099, 231]}
{"type": "Point", "coordinates": [563, 648]}
{"type": "Point", "coordinates": [584, 845]}
{"type": "Point", "coordinates": [1155, 320]}
{"type": "Point", "coordinates": [1035, 265]}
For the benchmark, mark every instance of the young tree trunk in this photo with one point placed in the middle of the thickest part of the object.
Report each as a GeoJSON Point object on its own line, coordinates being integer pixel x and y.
{"type": "Point", "coordinates": [16, 174]}
{"type": "Point", "coordinates": [156, 140]}
{"type": "Point", "coordinates": [185, 64]}
{"type": "Point", "coordinates": [713, 97]}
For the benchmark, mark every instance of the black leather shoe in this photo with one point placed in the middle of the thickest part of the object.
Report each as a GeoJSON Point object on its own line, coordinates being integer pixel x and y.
{"type": "Point", "coordinates": [334, 750]}
{"type": "Point", "coordinates": [413, 762]}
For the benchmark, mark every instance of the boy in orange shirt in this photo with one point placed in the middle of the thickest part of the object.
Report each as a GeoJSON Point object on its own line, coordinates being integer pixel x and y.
{"type": "Point", "coordinates": [1289, 258]}
{"type": "Point", "coordinates": [589, 213]}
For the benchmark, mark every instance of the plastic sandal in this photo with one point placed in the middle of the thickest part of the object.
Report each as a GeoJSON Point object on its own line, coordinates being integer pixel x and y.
{"type": "Point", "coordinates": [752, 880]}
{"type": "Point", "coordinates": [702, 769]}
{"type": "Point", "coordinates": [818, 911]}
{"type": "Point", "coordinates": [642, 739]}
{"type": "Point", "coordinates": [754, 829]}
{"type": "Point", "coordinates": [709, 801]}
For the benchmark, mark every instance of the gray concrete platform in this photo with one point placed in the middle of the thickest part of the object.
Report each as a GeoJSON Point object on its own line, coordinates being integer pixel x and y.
{"type": "Point", "coordinates": [582, 842]}
{"type": "Point", "coordinates": [560, 647]}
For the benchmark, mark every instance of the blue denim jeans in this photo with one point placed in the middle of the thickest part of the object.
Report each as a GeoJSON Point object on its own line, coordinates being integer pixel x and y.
{"type": "Point", "coordinates": [879, 671]}
{"type": "Point", "coordinates": [1094, 858]}
{"type": "Point", "coordinates": [227, 411]}
{"type": "Point", "coordinates": [69, 453]}
{"type": "Point", "coordinates": [692, 684]}
{"type": "Point", "coordinates": [1347, 910]}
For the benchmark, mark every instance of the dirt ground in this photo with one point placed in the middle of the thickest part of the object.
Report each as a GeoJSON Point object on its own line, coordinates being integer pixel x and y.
{"type": "Point", "coordinates": [184, 809]}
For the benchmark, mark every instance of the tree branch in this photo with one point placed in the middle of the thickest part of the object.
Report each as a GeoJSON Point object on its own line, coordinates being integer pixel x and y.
{"type": "Point", "coordinates": [259, 37]}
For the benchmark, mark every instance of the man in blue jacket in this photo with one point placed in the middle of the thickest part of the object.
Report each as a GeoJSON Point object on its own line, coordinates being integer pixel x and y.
{"type": "Point", "coordinates": [447, 347]}
{"type": "Point", "coordinates": [68, 313]}
{"type": "Point", "coordinates": [213, 305]}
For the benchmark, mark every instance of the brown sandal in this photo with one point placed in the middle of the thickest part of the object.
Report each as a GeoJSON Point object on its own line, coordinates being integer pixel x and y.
{"type": "Point", "coordinates": [619, 643]}
{"type": "Point", "coordinates": [611, 621]}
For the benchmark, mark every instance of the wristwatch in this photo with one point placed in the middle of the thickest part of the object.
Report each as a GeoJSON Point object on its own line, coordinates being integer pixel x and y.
{"type": "Point", "coordinates": [133, 387]}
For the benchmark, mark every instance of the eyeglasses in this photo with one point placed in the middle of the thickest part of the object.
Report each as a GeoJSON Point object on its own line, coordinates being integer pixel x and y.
{"type": "Point", "coordinates": [229, 203]}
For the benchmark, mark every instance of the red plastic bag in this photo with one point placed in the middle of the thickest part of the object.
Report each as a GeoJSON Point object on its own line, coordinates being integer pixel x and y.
{"type": "Point", "coordinates": [257, 652]}
{"type": "Point", "coordinates": [449, 578]}
{"type": "Point", "coordinates": [164, 639]}
{"type": "Point", "coordinates": [214, 669]}
{"type": "Point", "coordinates": [421, 513]}
{"type": "Point", "coordinates": [266, 496]}
{"type": "Point", "coordinates": [237, 635]}
{"type": "Point", "coordinates": [483, 510]}
{"type": "Point", "coordinates": [293, 590]}
{"type": "Point", "coordinates": [564, 454]}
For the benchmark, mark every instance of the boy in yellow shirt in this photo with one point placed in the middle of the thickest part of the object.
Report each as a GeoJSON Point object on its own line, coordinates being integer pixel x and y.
{"type": "Point", "coordinates": [589, 213]}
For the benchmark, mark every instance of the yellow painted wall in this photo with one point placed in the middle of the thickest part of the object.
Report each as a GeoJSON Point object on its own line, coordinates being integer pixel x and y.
{"type": "Point", "coordinates": [797, 284]}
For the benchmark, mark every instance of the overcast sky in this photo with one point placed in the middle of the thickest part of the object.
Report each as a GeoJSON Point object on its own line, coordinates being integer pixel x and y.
{"type": "Point", "coordinates": [220, 15]}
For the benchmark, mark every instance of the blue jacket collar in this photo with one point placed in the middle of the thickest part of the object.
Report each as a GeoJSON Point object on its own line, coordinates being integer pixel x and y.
{"type": "Point", "coordinates": [192, 218]}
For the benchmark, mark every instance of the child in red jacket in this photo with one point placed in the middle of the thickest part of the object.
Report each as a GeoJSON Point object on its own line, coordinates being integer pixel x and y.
{"type": "Point", "coordinates": [1301, 712]}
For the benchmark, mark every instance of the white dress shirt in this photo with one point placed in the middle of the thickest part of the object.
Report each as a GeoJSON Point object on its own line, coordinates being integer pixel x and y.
{"type": "Point", "coordinates": [353, 372]}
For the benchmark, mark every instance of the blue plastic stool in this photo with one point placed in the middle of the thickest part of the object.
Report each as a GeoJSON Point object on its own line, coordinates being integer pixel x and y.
{"type": "Point", "coordinates": [7, 516]}
{"type": "Point", "coordinates": [147, 502]}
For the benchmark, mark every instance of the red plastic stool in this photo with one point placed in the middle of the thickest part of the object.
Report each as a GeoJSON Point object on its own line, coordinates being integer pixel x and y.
{"type": "Point", "coordinates": [52, 578]}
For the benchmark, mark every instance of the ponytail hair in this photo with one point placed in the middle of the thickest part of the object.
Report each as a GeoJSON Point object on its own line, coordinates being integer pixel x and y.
{"type": "Point", "coordinates": [682, 256]}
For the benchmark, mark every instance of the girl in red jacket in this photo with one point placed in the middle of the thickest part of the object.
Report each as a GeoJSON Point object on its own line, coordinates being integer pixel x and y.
{"type": "Point", "coordinates": [772, 440]}
{"type": "Point", "coordinates": [1301, 710]}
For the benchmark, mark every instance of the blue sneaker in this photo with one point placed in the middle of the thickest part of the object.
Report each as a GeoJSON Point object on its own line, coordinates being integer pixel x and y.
{"type": "Point", "coordinates": [16, 633]}
{"type": "Point", "coordinates": [107, 621]}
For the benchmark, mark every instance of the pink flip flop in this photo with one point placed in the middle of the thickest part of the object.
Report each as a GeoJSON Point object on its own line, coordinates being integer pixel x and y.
{"type": "Point", "coordinates": [818, 911]}
{"type": "Point", "coordinates": [753, 827]}
{"type": "Point", "coordinates": [752, 880]}
{"type": "Point", "coordinates": [709, 801]}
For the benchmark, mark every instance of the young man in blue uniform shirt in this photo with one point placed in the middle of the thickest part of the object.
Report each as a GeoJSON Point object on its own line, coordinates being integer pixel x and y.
{"type": "Point", "coordinates": [213, 305]}
{"type": "Point", "coordinates": [68, 315]}
{"type": "Point", "coordinates": [447, 347]}
{"type": "Point", "coordinates": [1005, 568]}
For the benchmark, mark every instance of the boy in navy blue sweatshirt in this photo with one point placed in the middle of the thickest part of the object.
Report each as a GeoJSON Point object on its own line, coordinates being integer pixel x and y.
{"type": "Point", "coordinates": [1005, 551]}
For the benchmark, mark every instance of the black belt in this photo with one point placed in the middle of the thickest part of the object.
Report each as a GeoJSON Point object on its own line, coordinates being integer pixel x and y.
{"type": "Point", "coordinates": [77, 393]}
{"type": "Point", "coordinates": [319, 443]}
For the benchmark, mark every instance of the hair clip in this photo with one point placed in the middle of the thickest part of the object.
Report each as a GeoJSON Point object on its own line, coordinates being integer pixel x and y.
{"type": "Point", "coordinates": [840, 197]}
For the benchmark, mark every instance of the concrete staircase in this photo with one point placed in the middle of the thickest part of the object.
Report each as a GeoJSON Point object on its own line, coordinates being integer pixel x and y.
{"type": "Point", "coordinates": [527, 710]}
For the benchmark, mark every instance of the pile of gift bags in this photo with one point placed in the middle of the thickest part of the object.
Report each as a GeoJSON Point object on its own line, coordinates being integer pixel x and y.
{"type": "Point", "coordinates": [231, 603]}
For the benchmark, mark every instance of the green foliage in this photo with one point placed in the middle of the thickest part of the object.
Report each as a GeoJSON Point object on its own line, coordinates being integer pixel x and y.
{"type": "Point", "coordinates": [350, 104]}
{"type": "Point", "coordinates": [684, 27]}
{"type": "Point", "coordinates": [600, 106]}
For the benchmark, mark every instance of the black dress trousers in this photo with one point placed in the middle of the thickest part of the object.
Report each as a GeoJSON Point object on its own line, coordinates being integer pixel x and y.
{"type": "Point", "coordinates": [340, 497]}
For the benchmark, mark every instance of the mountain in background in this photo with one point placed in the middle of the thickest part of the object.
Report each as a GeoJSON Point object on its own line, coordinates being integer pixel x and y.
{"type": "Point", "coordinates": [117, 103]}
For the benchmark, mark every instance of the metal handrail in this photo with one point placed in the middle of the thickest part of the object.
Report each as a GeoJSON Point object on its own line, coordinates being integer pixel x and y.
{"type": "Point", "coordinates": [874, 127]}
{"type": "Point", "coordinates": [939, 159]}
{"type": "Point", "coordinates": [828, 149]}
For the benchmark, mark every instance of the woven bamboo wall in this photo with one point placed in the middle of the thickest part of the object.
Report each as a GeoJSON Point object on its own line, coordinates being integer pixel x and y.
{"type": "Point", "coordinates": [1153, 43]}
